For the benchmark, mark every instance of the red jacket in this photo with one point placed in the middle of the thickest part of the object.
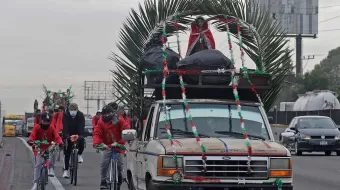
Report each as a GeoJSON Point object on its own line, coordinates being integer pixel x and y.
{"type": "Point", "coordinates": [54, 119]}
{"type": "Point", "coordinates": [50, 135]}
{"type": "Point", "coordinates": [195, 34]}
{"type": "Point", "coordinates": [108, 133]}
{"type": "Point", "coordinates": [94, 121]}
{"type": "Point", "coordinates": [59, 124]}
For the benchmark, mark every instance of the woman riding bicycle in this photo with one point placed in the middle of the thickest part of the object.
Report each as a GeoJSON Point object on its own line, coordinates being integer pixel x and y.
{"type": "Point", "coordinates": [43, 131]}
{"type": "Point", "coordinates": [73, 124]}
{"type": "Point", "coordinates": [109, 132]}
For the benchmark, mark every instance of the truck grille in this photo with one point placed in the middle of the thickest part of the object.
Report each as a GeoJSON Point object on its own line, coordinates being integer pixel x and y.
{"type": "Point", "coordinates": [233, 168]}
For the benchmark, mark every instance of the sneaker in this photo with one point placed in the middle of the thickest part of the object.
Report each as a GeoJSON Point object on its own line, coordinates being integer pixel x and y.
{"type": "Point", "coordinates": [35, 186]}
{"type": "Point", "coordinates": [80, 159]}
{"type": "Point", "coordinates": [65, 174]}
{"type": "Point", "coordinates": [51, 172]}
{"type": "Point", "coordinates": [103, 185]}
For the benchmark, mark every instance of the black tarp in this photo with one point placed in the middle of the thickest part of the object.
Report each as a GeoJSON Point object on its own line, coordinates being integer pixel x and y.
{"type": "Point", "coordinates": [206, 60]}
{"type": "Point", "coordinates": [152, 59]}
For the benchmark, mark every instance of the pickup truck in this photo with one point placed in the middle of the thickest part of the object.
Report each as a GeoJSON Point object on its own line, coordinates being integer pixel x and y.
{"type": "Point", "coordinates": [150, 162]}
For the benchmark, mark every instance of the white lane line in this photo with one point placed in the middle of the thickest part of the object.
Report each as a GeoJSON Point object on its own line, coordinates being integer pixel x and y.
{"type": "Point", "coordinates": [55, 182]}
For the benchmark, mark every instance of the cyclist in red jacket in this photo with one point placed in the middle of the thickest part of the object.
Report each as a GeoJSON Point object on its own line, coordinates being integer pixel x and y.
{"type": "Point", "coordinates": [44, 131]}
{"type": "Point", "coordinates": [109, 132]}
{"type": "Point", "coordinates": [96, 118]}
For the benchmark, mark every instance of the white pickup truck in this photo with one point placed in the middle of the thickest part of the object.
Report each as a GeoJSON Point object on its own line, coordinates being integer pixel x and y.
{"type": "Point", "coordinates": [150, 163]}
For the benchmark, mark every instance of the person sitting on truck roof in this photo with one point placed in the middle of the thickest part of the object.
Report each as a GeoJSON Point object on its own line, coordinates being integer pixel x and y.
{"type": "Point", "coordinates": [44, 131]}
{"type": "Point", "coordinates": [201, 37]}
{"type": "Point", "coordinates": [109, 133]}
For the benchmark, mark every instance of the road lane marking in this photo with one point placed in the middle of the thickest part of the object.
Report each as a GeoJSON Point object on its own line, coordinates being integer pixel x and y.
{"type": "Point", "coordinates": [55, 182]}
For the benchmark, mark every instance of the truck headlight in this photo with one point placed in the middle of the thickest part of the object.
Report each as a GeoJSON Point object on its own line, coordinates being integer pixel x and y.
{"type": "Point", "coordinates": [166, 165]}
{"type": "Point", "coordinates": [169, 162]}
{"type": "Point", "coordinates": [337, 137]}
{"type": "Point", "coordinates": [280, 167]}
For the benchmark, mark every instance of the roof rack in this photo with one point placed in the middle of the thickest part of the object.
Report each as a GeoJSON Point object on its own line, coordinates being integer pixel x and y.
{"type": "Point", "coordinates": [198, 85]}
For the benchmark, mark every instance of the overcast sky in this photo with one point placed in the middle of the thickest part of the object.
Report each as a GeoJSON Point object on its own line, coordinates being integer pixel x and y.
{"type": "Point", "coordinates": [65, 42]}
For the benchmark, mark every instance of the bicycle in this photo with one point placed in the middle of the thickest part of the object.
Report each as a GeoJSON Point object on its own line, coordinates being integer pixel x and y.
{"type": "Point", "coordinates": [58, 156]}
{"type": "Point", "coordinates": [43, 179]}
{"type": "Point", "coordinates": [113, 168]}
{"type": "Point", "coordinates": [74, 160]}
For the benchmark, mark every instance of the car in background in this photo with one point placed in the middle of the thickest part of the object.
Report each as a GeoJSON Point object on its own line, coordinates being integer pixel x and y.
{"type": "Point", "coordinates": [19, 126]}
{"type": "Point", "coordinates": [88, 127]}
{"type": "Point", "coordinates": [312, 134]}
{"type": "Point", "coordinates": [28, 127]}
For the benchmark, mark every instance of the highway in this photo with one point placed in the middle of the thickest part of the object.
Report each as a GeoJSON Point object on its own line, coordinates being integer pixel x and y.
{"type": "Point", "coordinates": [311, 171]}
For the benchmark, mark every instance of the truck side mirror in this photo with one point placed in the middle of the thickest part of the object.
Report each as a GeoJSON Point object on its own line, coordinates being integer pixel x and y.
{"type": "Point", "coordinates": [129, 135]}
{"type": "Point", "coordinates": [271, 120]}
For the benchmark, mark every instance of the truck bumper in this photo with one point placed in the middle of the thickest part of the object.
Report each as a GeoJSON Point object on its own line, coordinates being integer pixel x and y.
{"type": "Point", "coordinates": [221, 186]}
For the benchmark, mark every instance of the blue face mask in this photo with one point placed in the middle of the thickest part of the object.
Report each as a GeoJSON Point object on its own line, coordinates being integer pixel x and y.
{"type": "Point", "coordinates": [73, 113]}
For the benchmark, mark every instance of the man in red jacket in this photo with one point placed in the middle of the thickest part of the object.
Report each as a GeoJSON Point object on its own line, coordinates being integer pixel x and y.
{"type": "Point", "coordinates": [109, 133]}
{"type": "Point", "coordinates": [96, 118]}
{"type": "Point", "coordinates": [44, 131]}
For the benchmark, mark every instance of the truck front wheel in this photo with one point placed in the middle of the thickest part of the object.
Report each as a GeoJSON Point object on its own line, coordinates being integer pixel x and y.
{"type": "Point", "coordinates": [150, 185]}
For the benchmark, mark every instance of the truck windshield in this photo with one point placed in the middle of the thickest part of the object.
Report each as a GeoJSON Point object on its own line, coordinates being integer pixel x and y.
{"type": "Point", "coordinates": [213, 120]}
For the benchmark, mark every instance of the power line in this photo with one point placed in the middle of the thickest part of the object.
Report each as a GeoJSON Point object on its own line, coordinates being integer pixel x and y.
{"type": "Point", "coordinates": [329, 19]}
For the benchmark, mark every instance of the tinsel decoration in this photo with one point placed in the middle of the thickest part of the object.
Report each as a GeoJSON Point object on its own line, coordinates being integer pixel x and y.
{"type": "Point", "coordinates": [237, 99]}
{"type": "Point", "coordinates": [244, 69]}
{"type": "Point", "coordinates": [165, 74]}
{"type": "Point", "coordinates": [277, 182]}
{"type": "Point", "coordinates": [177, 35]}
{"type": "Point", "coordinates": [193, 127]}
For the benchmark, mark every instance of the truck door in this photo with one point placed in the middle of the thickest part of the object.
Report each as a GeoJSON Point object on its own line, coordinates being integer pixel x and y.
{"type": "Point", "coordinates": [142, 144]}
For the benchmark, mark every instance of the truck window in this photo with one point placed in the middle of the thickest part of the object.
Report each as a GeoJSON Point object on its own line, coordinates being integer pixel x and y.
{"type": "Point", "coordinates": [213, 120]}
{"type": "Point", "coordinates": [148, 125]}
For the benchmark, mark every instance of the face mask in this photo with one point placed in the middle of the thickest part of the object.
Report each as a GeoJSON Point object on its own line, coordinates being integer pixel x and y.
{"type": "Point", "coordinates": [44, 126]}
{"type": "Point", "coordinates": [115, 119]}
{"type": "Point", "coordinates": [73, 113]}
{"type": "Point", "coordinates": [107, 117]}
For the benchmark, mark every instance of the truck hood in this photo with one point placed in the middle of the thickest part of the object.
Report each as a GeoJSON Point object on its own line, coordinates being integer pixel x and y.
{"type": "Point", "coordinates": [224, 146]}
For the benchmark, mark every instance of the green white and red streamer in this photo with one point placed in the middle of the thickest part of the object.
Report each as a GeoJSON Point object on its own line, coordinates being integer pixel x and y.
{"type": "Point", "coordinates": [244, 69]}
{"type": "Point", "coordinates": [193, 127]}
{"type": "Point", "coordinates": [165, 74]}
{"type": "Point", "coordinates": [237, 99]}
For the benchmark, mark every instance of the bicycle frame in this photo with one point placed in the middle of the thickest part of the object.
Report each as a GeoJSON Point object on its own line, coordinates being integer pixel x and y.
{"type": "Point", "coordinates": [74, 160]}
{"type": "Point", "coordinates": [43, 172]}
{"type": "Point", "coordinates": [113, 177]}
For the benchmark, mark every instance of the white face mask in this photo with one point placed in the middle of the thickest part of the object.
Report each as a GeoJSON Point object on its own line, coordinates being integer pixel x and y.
{"type": "Point", "coordinates": [73, 113]}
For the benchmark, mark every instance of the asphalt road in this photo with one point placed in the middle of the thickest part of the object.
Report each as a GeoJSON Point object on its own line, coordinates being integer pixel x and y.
{"type": "Point", "coordinates": [311, 171]}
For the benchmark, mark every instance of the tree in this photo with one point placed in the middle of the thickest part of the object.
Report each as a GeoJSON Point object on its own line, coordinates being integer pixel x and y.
{"type": "Point", "coordinates": [269, 43]}
{"type": "Point", "coordinates": [324, 76]}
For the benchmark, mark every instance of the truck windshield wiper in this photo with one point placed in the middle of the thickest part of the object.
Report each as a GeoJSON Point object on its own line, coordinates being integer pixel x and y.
{"type": "Point", "coordinates": [187, 133]}
{"type": "Point", "coordinates": [236, 133]}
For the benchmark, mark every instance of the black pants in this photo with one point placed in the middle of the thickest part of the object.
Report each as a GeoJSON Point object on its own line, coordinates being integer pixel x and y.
{"type": "Point", "coordinates": [68, 150]}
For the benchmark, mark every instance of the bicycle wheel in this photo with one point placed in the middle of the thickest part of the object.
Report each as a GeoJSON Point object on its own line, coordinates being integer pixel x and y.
{"type": "Point", "coordinates": [115, 174]}
{"type": "Point", "coordinates": [71, 167]}
{"type": "Point", "coordinates": [43, 179]}
{"type": "Point", "coordinates": [111, 175]}
{"type": "Point", "coordinates": [75, 166]}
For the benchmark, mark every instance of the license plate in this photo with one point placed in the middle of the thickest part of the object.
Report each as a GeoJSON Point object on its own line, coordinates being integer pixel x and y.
{"type": "Point", "coordinates": [323, 143]}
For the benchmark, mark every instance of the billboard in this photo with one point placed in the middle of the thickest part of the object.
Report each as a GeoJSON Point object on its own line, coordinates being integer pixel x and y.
{"type": "Point", "coordinates": [99, 90]}
{"type": "Point", "coordinates": [296, 16]}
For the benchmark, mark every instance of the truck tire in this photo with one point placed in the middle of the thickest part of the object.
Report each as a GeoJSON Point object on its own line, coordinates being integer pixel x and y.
{"type": "Point", "coordinates": [150, 185]}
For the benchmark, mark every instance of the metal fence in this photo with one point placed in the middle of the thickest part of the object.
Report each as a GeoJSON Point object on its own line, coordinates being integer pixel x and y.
{"type": "Point", "coordinates": [285, 117]}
